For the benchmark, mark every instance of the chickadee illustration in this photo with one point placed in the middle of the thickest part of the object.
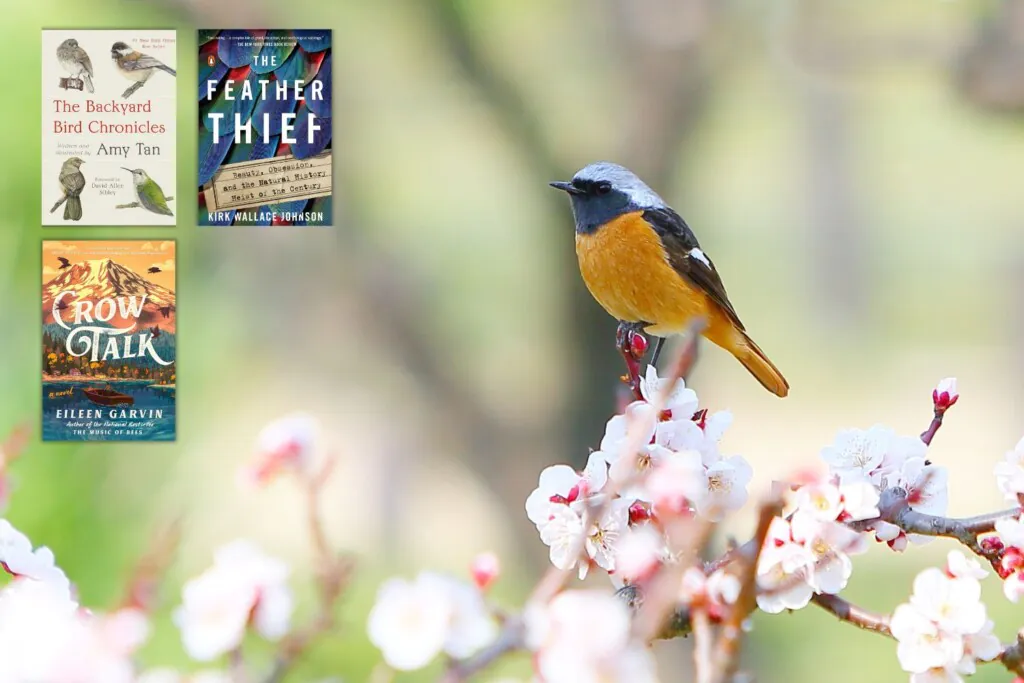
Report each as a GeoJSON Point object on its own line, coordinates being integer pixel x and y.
{"type": "Point", "coordinates": [148, 193]}
{"type": "Point", "coordinates": [72, 182]}
{"type": "Point", "coordinates": [74, 60]}
{"type": "Point", "coordinates": [136, 66]}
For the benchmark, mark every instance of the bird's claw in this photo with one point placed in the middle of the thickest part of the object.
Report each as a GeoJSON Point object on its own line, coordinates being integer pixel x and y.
{"type": "Point", "coordinates": [632, 344]}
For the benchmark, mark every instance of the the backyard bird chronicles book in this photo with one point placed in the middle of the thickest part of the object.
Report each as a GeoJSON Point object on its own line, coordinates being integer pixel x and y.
{"type": "Point", "coordinates": [108, 115]}
{"type": "Point", "coordinates": [109, 322]}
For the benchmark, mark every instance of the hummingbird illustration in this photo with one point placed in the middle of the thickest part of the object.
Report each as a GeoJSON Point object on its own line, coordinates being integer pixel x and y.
{"type": "Point", "coordinates": [149, 194]}
{"type": "Point", "coordinates": [72, 182]}
{"type": "Point", "coordinates": [76, 62]}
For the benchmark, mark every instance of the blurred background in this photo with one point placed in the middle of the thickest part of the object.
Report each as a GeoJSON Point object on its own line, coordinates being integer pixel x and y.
{"type": "Point", "coordinates": [855, 168]}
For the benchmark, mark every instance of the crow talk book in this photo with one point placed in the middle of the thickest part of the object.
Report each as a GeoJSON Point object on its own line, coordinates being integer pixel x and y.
{"type": "Point", "coordinates": [109, 341]}
{"type": "Point", "coordinates": [109, 106]}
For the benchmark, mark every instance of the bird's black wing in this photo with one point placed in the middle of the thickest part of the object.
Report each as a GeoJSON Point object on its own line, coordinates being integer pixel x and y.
{"type": "Point", "coordinates": [686, 257]}
{"type": "Point", "coordinates": [143, 62]}
{"type": "Point", "coordinates": [63, 261]}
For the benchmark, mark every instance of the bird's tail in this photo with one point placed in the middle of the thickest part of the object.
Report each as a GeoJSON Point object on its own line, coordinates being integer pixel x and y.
{"type": "Point", "coordinates": [73, 209]}
{"type": "Point", "coordinates": [754, 360]}
{"type": "Point", "coordinates": [167, 69]}
{"type": "Point", "coordinates": [88, 82]}
{"type": "Point", "coordinates": [59, 202]}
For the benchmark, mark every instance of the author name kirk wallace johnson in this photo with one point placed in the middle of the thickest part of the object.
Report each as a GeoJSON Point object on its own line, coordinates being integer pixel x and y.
{"type": "Point", "coordinates": [269, 216]}
{"type": "Point", "coordinates": [112, 414]}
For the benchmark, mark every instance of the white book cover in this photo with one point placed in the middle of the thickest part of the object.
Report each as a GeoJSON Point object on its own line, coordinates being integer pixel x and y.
{"type": "Point", "coordinates": [109, 109]}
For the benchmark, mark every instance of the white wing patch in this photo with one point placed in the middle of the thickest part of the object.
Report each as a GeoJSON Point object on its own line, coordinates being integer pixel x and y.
{"type": "Point", "coordinates": [699, 255]}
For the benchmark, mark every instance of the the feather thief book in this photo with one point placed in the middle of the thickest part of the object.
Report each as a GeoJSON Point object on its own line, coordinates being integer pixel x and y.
{"type": "Point", "coordinates": [109, 323]}
{"type": "Point", "coordinates": [109, 106]}
{"type": "Point", "coordinates": [264, 127]}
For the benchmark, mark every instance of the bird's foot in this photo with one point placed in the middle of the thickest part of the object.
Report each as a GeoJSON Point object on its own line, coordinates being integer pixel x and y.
{"type": "Point", "coordinates": [131, 91]}
{"type": "Point", "coordinates": [632, 344]}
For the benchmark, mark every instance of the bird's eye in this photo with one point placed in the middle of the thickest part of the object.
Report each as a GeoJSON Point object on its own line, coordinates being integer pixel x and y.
{"type": "Point", "coordinates": [603, 187]}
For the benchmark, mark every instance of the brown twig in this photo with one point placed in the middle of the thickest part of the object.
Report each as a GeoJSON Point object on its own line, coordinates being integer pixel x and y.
{"type": "Point", "coordinates": [333, 573]}
{"type": "Point", "coordinates": [509, 640]}
{"type": "Point", "coordinates": [852, 614]}
{"type": "Point", "coordinates": [727, 652]}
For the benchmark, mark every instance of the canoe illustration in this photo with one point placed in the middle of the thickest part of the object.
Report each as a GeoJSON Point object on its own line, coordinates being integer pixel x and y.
{"type": "Point", "coordinates": [107, 397]}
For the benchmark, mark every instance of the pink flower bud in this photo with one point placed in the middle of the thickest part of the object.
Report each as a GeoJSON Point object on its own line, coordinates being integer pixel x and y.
{"type": "Point", "coordinates": [945, 394]}
{"type": "Point", "coordinates": [638, 512]}
{"type": "Point", "coordinates": [991, 544]}
{"type": "Point", "coordinates": [485, 570]}
{"type": "Point", "coordinates": [637, 345]}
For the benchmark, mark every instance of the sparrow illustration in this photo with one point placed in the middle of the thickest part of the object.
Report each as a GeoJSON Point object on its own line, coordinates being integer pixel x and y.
{"type": "Point", "coordinates": [72, 182]}
{"type": "Point", "coordinates": [64, 263]}
{"type": "Point", "coordinates": [136, 66]}
{"type": "Point", "coordinates": [149, 194]}
{"type": "Point", "coordinates": [165, 311]}
{"type": "Point", "coordinates": [154, 269]}
{"type": "Point", "coordinates": [74, 60]}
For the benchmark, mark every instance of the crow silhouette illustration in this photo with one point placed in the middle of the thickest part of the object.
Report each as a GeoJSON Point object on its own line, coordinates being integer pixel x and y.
{"type": "Point", "coordinates": [166, 311]}
{"type": "Point", "coordinates": [64, 263]}
{"type": "Point", "coordinates": [154, 269]}
{"type": "Point", "coordinates": [62, 305]}
{"type": "Point", "coordinates": [155, 331]}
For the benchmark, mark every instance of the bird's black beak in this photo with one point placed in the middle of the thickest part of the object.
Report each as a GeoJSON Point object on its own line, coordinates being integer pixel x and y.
{"type": "Point", "coordinates": [565, 187]}
{"type": "Point", "coordinates": [128, 169]}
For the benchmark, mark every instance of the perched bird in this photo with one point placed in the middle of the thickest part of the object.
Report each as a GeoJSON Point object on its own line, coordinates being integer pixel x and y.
{"type": "Point", "coordinates": [154, 269]}
{"type": "Point", "coordinates": [72, 182]}
{"type": "Point", "coordinates": [136, 66]}
{"type": "Point", "coordinates": [74, 60]}
{"type": "Point", "coordinates": [148, 193]}
{"type": "Point", "coordinates": [644, 265]}
{"type": "Point", "coordinates": [64, 263]}
{"type": "Point", "coordinates": [165, 311]}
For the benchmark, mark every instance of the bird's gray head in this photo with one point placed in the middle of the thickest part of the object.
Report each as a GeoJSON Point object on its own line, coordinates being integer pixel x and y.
{"type": "Point", "coordinates": [70, 42]}
{"type": "Point", "coordinates": [138, 175]}
{"type": "Point", "coordinates": [120, 49]}
{"type": "Point", "coordinates": [604, 191]}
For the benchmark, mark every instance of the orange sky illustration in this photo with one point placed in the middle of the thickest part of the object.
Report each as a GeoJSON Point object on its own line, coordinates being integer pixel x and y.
{"type": "Point", "coordinates": [137, 255]}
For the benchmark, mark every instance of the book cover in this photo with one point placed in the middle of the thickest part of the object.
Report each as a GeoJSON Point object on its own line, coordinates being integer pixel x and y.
{"type": "Point", "coordinates": [109, 105]}
{"type": "Point", "coordinates": [109, 317]}
{"type": "Point", "coordinates": [264, 127]}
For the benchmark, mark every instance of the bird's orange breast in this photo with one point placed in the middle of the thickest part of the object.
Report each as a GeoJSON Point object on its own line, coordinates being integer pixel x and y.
{"type": "Point", "coordinates": [624, 266]}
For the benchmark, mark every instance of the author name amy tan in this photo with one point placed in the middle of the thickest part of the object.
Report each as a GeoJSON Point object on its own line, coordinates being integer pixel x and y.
{"type": "Point", "coordinates": [112, 414]}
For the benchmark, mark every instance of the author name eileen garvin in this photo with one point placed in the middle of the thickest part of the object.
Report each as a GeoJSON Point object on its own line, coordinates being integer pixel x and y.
{"type": "Point", "coordinates": [111, 414]}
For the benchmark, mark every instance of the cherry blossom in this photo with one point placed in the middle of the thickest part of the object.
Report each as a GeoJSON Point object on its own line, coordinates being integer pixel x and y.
{"type": "Point", "coordinates": [409, 623]}
{"type": "Point", "coordinates": [414, 621]}
{"type": "Point", "coordinates": [485, 569]}
{"type": "Point", "coordinates": [1010, 473]}
{"type": "Point", "coordinates": [870, 455]}
{"type": "Point", "coordinates": [783, 574]}
{"type": "Point", "coordinates": [584, 637]}
{"type": "Point", "coordinates": [945, 394]}
{"type": "Point", "coordinates": [243, 587]}
{"type": "Point", "coordinates": [561, 485]}
{"type": "Point", "coordinates": [18, 558]}
{"type": "Point", "coordinates": [639, 553]}
{"type": "Point", "coordinates": [724, 487]}
{"type": "Point", "coordinates": [922, 644]}
{"type": "Point", "coordinates": [830, 544]}
{"type": "Point", "coordinates": [288, 443]}
{"type": "Point", "coordinates": [681, 402]}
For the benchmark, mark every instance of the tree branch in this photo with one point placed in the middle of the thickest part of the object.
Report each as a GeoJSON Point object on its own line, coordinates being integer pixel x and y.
{"type": "Point", "coordinates": [852, 614]}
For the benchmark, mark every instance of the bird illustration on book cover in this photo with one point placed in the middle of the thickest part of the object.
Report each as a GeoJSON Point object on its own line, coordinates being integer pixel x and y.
{"type": "Point", "coordinates": [265, 100]}
{"type": "Point", "coordinates": [109, 342]}
{"type": "Point", "coordinates": [109, 111]}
